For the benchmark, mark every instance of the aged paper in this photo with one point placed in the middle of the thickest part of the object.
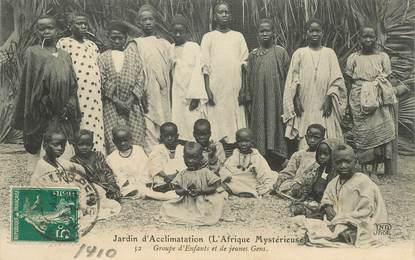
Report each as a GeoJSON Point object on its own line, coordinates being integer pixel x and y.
{"type": "Point", "coordinates": [251, 228]}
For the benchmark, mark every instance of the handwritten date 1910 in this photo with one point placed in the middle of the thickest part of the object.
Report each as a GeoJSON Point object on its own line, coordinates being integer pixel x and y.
{"type": "Point", "coordinates": [92, 251]}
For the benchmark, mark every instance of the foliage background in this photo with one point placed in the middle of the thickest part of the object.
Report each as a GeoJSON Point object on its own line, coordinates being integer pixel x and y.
{"type": "Point", "coordinates": [394, 20]}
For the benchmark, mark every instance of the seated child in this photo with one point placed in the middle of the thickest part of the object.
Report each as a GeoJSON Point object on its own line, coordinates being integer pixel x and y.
{"type": "Point", "coordinates": [310, 187]}
{"type": "Point", "coordinates": [300, 160]}
{"type": "Point", "coordinates": [213, 152]}
{"type": "Point", "coordinates": [199, 202]}
{"type": "Point", "coordinates": [54, 146]}
{"type": "Point", "coordinates": [353, 207]}
{"type": "Point", "coordinates": [166, 159]}
{"type": "Point", "coordinates": [96, 168]}
{"type": "Point", "coordinates": [246, 173]}
{"type": "Point", "coordinates": [129, 164]}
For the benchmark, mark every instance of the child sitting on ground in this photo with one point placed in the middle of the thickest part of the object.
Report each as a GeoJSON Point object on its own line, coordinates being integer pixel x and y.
{"type": "Point", "coordinates": [96, 168]}
{"type": "Point", "coordinates": [130, 166]}
{"type": "Point", "coordinates": [166, 158]}
{"type": "Point", "coordinates": [246, 173]}
{"type": "Point", "coordinates": [199, 202]}
{"type": "Point", "coordinates": [51, 165]}
{"type": "Point", "coordinates": [213, 152]}
{"type": "Point", "coordinates": [313, 183]}
{"type": "Point", "coordinates": [300, 161]}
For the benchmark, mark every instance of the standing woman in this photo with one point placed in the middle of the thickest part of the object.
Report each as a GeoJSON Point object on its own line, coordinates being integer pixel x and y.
{"type": "Point", "coordinates": [47, 97]}
{"type": "Point", "coordinates": [315, 92]}
{"type": "Point", "coordinates": [84, 54]}
{"type": "Point", "coordinates": [224, 53]}
{"type": "Point", "coordinates": [122, 83]}
{"type": "Point", "coordinates": [156, 55]}
{"type": "Point", "coordinates": [373, 129]}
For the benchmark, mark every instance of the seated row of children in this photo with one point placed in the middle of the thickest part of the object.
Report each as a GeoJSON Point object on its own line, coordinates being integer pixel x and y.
{"type": "Point", "coordinates": [194, 178]}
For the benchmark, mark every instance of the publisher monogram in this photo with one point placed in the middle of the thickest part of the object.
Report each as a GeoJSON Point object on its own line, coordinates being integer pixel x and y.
{"type": "Point", "coordinates": [383, 229]}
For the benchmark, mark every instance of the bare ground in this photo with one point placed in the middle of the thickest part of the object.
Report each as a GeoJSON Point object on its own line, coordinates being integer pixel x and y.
{"type": "Point", "coordinates": [268, 213]}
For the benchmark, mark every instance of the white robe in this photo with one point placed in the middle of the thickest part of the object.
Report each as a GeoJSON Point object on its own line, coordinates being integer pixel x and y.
{"type": "Point", "coordinates": [223, 54]}
{"type": "Point", "coordinates": [159, 160]}
{"type": "Point", "coordinates": [135, 170]}
{"type": "Point", "coordinates": [188, 84]}
{"type": "Point", "coordinates": [250, 173]}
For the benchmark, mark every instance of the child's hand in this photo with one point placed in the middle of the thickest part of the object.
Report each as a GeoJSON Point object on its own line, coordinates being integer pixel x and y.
{"type": "Point", "coordinates": [212, 150]}
{"type": "Point", "coordinates": [194, 103]}
{"type": "Point", "coordinates": [296, 190]}
{"type": "Point", "coordinates": [298, 107]}
{"type": "Point", "coordinates": [227, 179]}
{"type": "Point", "coordinates": [181, 192]}
{"type": "Point", "coordinates": [195, 192]}
{"type": "Point", "coordinates": [330, 213]}
{"type": "Point", "coordinates": [327, 107]}
{"type": "Point", "coordinates": [169, 178]}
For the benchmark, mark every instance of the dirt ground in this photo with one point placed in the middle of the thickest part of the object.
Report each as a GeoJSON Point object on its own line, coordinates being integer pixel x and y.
{"type": "Point", "coordinates": [269, 213]}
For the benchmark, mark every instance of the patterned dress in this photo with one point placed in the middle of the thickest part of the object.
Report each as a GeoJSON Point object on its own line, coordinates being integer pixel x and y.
{"type": "Point", "coordinates": [372, 132]}
{"type": "Point", "coordinates": [122, 84]}
{"type": "Point", "coordinates": [84, 59]}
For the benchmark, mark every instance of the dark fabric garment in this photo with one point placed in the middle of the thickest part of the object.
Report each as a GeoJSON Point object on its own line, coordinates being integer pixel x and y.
{"type": "Point", "coordinates": [267, 70]}
{"type": "Point", "coordinates": [47, 86]}
{"type": "Point", "coordinates": [320, 184]}
{"type": "Point", "coordinates": [97, 171]}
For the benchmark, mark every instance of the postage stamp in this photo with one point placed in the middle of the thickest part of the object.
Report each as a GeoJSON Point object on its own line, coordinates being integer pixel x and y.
{"type": "Point", "coordinates": [44, 214]}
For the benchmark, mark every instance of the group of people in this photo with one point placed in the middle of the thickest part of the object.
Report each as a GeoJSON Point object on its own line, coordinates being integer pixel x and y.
{"type": "Point", "coordinates": [116, 116]}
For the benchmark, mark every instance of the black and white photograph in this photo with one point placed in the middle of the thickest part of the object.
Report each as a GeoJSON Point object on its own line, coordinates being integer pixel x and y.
{"type": "Point", "coordinates": [207, 129]}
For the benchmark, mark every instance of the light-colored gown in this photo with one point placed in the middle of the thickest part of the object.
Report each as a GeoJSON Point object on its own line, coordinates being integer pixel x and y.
{"type": "Point", "coordinates": [188, 84]}
{"type": "Point", "coordinates": [316, 74]}
{"type": "Point", "coordinates": [156, 55]}
{"type": "Point", "coordinates": [200, 210]}
{"type": "Point", "coordinates": [223, 54]}
{"type": "Point", "coordinates": [375, 130]}
{"type": "Point", "coordinates": [84, 57]}
{"type": "Point", "coordinates": [250, 173]}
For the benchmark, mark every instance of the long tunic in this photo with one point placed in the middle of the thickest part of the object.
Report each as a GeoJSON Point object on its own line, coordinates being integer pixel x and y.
{"type": "Point", "coordinates": [188, 84]}
{"type": "Point", "coordinates": [156, 55]}
{"type": "Point", "coordinates": [223, 54]}
{"type": "Point", "coordinates": [315, 74]}
{"type": "Point", "coordinates": [296, 168]}
{"type": "Point", "coordinates": [159, 160]}
{"type": "Point", "coordinates": [97, 171]}
{"type": "Point", "coordinates": [122, 85]}
{"type": "Point", "coordinates": [375, 129]}
{"type": "Point", "coordinates": [357, 202]}
{"type": "Point", "coordinates": [84, 59]}
{"type": "Point", "coordinates": [132, 173]}
{"type": "Point", "coordinates": [250, 173]}
{"type": "Point", "coordinates": [200, 210]}
{"type": "Point", "coordinates": [41, 177]}
{"type": "Point", "coordinates": [267, 70]}
{"type": "Point", "coordinates": [51, 79]}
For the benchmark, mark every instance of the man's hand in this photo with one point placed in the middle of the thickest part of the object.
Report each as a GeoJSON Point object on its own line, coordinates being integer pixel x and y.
{"type": "Point", "coordinates": [330, 213]}
{"type": "Point", "coordinates": [327, 107]}
{"type": "Point", "coordinates": [241, 98]}
{"type": "Point", "coordinates": [298, 107]}
{"type": "Point", "coordinates": [194, 103]}
{"type": "Point", "coordinates": [144, 103]}
{"type": "Point", "coordinates": [211, 100]}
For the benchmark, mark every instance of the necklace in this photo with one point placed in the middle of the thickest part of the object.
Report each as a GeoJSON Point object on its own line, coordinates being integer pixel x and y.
{"type": "Point", "coordinates": [64, 173]}
{"type": "Point", "coordinates": [242, 162]}
{"type": "Point", "coordinates": [127, 155]}
{"type": "Point", "coordinates": [315, 63]}
{"type": "Point", "coordinates": [172, 153]}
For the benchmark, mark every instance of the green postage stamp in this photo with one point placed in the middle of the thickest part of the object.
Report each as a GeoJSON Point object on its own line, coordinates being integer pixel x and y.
{"type": "Point", "coordinates": [44, 214]}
